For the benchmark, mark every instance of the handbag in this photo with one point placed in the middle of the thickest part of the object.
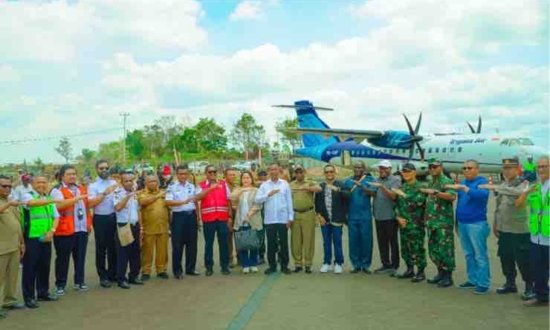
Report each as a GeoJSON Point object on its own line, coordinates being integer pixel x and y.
{"type": "Point", "coordinates": [125, 235]}
{"type": "Point", "coordinates": [246, 239]}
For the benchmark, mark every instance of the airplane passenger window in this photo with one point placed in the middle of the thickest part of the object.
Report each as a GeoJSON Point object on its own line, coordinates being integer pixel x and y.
{"type": "Point", "coordinates": [436, 149]}
{"type": "Point", "coordinates": [452, 150]}
{"type": "Point", "coordinates": [444, 150]}
{"type": "Point", "coordinates": [459, 149]}
{"type": "Point", "coordinates": [429, 150]}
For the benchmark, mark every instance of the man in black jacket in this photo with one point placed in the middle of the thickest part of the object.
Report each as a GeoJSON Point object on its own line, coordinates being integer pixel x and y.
{"type": "Point", "coordinates": [331, 212]}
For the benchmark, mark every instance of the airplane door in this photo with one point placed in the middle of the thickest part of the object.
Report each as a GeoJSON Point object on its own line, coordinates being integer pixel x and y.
{"type": "Point", "coordinates": [346, 158]}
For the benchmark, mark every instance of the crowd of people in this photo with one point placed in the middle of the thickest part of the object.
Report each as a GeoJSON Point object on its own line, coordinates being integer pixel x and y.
{"type": "Point", "coordinates": [250, 217]}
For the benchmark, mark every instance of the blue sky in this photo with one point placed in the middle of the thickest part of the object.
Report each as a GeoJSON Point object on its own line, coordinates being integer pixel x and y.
{"type": "Point", "coordinates": [72, 67]}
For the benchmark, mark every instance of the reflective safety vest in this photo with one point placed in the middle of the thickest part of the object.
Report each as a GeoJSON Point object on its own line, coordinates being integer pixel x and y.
{"type": "Point", "coordinates": [539, 222]}
{"type": "Point", "coordinates": [40, 218]}
{"type": "Point", "coordinates": [65, 227]}
{"type": "Point", "coordinates": [215, 205]}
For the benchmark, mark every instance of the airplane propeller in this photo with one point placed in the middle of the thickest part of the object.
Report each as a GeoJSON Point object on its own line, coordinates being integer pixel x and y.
{"type": "Point", "coordinates": [294, 107]}
{"type": "Point", "coordinates": [478, 130]}
{"type": "Point", "coordinates": [415, 138]}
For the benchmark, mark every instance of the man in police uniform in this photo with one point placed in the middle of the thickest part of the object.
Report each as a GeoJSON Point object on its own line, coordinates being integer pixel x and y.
{"type": "Point", "coordinates": [440, 223]}
{"type": "Point", "coordinates": [127, 211]}
{"type": "Point", "coordinates": [180, 197]}
{"type": "Point", "coordinates": [40, 223]}
{"type": "Point", "coordinates": [410, 216]}
{"type": "Point", "coordinates": [303, 227]}
{"type": "Point", "coordinates": [511, 227]}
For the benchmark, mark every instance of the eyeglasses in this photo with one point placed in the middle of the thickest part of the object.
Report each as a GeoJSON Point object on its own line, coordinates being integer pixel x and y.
{"type": "Point", "coordinates": [468, 168]}
{"type": "Point", "coordinates": [542, 166]}
{"type": "Point", "coordinates": [103, 168]}
{"type": "Point", "coordinates": [6, 186]}
{"type": "Point", "coordinates": [212, 172]}
{"type": "Point", "coordinates": [431, 167]}
{"type": "Point", "coordinates": [406, 171]}
{"type": "Point", "coordinates": [327, 172]}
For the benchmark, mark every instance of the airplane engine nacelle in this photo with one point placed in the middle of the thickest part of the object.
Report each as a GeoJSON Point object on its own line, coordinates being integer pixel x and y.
{"type": "Point", "coordinates": [393, 139]}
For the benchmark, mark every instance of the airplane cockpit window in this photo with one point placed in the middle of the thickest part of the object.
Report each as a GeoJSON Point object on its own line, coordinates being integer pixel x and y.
{"type": "Point", "coordinates": [504, 142]}
{"type": "Point", "coordinates": [514, 142]}
{"type": "Point", "coordinates": [526, 142]}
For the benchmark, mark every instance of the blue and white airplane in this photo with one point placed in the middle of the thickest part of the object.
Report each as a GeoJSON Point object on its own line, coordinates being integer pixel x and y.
{"type": "Point", "coordinates": [344, 146]}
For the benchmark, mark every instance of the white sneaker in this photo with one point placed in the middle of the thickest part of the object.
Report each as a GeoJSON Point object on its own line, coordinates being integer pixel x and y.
{"type": "Point", "coordinates": [325, 268]}
{"type": "Point", "coordinates": [246, 270]}
{"type": "Point", "coordinates": [254, 269]}
{"type": "Point", "coordinates": [338, 269]}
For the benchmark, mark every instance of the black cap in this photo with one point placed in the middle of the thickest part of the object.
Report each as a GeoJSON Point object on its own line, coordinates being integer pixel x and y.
{"type": "Point", "coordinates": [408, 167]}
{"type": "Point", "coordinates": [262, 173]}
{"type": "Point", "coordinates": [510, 162]}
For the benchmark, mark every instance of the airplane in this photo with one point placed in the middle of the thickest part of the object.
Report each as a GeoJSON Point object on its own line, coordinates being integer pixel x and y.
{"type": "Point", "coordinates": [342, 147]}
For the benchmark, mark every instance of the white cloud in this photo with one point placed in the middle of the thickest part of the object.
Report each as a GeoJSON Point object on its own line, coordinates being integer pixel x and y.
{"type": "Point", "coordinates": [247, 10]}
{"type": "Point", "coordinates": [8, 74]}
{"type": "Point", "coordinates": [58, 31]}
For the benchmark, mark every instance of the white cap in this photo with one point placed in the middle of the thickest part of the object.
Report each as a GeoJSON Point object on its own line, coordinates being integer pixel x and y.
{"type": "Point", "coordinates": [384, 163]}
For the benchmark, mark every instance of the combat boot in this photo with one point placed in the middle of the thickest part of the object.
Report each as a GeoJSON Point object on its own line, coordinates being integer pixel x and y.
{"type": "Point", "coordinates": [409, 273]}
{"type": "Point", "coordinates": [419, 277]}
{"type": "Point", "coordinates": [508, 287]}
{"type": "Point", "coordinates": [446, 280]}
{"type": "Point", "coordinates": [437, 277]}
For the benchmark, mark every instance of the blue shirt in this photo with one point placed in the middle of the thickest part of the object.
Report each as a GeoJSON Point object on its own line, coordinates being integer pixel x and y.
{"type": "Point", "coordinates": [472, 206]}
{"type": "Point", "coordinates": [107, 206]}
{"type": "Point", "coordinates": [179, 191]}
{"type": "Point", "coordinates": [277, 208]}
{"type": "Point", "coordinates": [359, 206]}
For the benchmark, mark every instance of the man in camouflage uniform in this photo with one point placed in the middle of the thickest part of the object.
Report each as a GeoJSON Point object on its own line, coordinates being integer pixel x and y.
{"type": "Point", "coordinates": [303, 227]}
{"type": "Point", "coordinates": [439, 219]}
{"type": "Point", "coordinates": [410, 216]}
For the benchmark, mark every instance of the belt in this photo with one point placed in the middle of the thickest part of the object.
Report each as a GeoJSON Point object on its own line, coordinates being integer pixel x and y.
{"type": "Point", "coordinates": [186, 212]}
{"type": "Point", "coordinates": [304, 210]}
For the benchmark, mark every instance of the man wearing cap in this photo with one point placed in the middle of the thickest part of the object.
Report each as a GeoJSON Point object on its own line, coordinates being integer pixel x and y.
{"type": "Point", "coordinates": [359, 192]}
{"type": "Point", "coordinates": [439, 218]}
{"type": "Point", "coordinates": [386, 225]}
{"type": "Point", "coordinates": [165, 177]}
{"type": "Point", "coordinates": [511, 227]}
{"type": "Point", "coordinates": [24, 188]}
{"type": "Point", "coordinates": [471, 216]}
{"type": "Point", "coordinates": [410, 216]}
{"type": "Point", "coordinates": [302, 242]}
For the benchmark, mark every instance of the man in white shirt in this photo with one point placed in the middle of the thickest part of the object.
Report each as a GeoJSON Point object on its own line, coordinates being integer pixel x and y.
{"type": "Point", "coordinates": [276, 196]}
{"type": "Point", "coordinates": [127, 211]}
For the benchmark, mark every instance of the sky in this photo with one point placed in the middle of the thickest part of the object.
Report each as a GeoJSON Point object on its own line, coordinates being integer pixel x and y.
{"type": "Point", "coordinates": [72, 67]}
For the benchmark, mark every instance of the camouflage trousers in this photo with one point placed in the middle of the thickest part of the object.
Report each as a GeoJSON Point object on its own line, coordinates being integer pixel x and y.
{"type": "Point", "coordinates": [441, 247]}
{"type": "Point", "coordinates": [412, 245]}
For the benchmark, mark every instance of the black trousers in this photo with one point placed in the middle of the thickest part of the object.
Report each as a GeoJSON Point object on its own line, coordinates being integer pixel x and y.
{"type": "Point", "coordinates": [105, 232]}
{"type": "Point", "coordinates": [277, 241]}
{"type": "Point", "coordinates": [129, 254]}
{"type": "Point", "coordinates": [261, 236]}
{"type": "Point", "coordinates": [513, 250]}
{"type": "Point", "coordinates": [184, 236]}
{"type": "Point", "coordinates": [540, 268]}
{"type": "Point", "coordinates": [76, 245]}
{"type": "Point", "coordinates": [388, 243]}
{"type": "Point", "coordinates": [36, 268]}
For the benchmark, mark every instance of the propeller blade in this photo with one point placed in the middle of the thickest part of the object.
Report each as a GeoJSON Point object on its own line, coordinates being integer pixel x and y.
{"type": "Point", "coordinates": [294, 107]}
{"type": "Point", "coordinates": [411, 132]}
{"type": "Point", "coordinates": [479, 125]}
{"type": "Point", "coordinates": [471, 128]}
{"type": "Point", "coordinates": [417, 128]}
{"type": "Point", "coordinates": [421, 151]}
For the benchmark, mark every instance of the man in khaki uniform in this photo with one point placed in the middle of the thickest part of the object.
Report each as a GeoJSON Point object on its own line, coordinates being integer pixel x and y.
{"type": "Point", "coordinates": [12, 247]}
{"type": "Point", "coordinates": [303, 226]}
{"type": "Point", "coordinates": [155, 217]}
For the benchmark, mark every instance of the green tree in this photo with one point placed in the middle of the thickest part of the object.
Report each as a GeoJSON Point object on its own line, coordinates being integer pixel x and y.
{"type": "Point", "coordinates": [64, 148]}
{"type": "Point", "coordinates": [289, 137]}
{"type": "Point", "coordinates": [39, 165]}
{"type": "Point", "coordinates": [110, 151]}
{"type": "Point", "coordinates": [135, 142]}
{"type": "Point", "coordinates": [248, 134]}
{"type": "Point", "coordinates": [210, 135]}
{"type": "Point", "coordinates": [88, 155]}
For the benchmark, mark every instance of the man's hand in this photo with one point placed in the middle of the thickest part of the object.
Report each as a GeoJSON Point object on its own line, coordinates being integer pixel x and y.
{"type": "Point", "coordinates": [457, 187]}
{"type": "Point", "coordinates": [399, 192]}
{"type": "Point", "coordinates": [162, 194]}
{"type": "Point", "coordinates": [356, 183]}
{"type": "Point", "coordinates": [110, 189]}
{"type": "Point", "coordinates": [230, 225]}
{"type": "Point", "coordinates": [273, 192]}
{"type": "Point", "coordinates": [427, 191]}
{"type": "Point", "coordinates": [488, 186]}
{"type": "Point", "coordinates": [48, 237]}
{"type": "Point", "coordinates": [375, 184]}
{"type": "Point", "coordinates": [322, 220]}
{"type": "Point", "coordinates": [495, 231]}
{"type": "Point", "coordinates": [401, 222]}
{"type": "Point", "coordinates": [81, 197]}
{"type": "Point", "coordinates": [289, 224]}
{"type": "Point", "coordinates": [334, 188]}
{"type": "Point", "coordinates": [14, 203]}
{"type": "Point", "coordinates": [21, 250]}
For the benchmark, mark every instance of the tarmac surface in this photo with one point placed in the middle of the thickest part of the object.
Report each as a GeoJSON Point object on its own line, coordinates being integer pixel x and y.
{"type": "Point", "coordinates": [297, 301]}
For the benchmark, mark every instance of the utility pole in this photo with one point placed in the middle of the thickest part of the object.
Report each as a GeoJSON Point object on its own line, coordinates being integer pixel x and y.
{"type": "Point", "coordinates": [124, 115]}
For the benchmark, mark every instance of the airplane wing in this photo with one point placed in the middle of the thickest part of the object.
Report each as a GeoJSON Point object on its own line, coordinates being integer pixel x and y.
{"type": "Point", "coordinates": [343, 134]}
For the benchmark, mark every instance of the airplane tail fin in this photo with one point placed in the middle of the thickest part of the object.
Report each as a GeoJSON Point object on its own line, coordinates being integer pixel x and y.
{"type": "Point", "coordinates": [308, 118]}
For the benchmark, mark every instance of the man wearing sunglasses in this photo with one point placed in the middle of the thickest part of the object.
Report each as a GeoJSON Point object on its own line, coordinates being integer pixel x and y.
{"type": "Point", "coordinates": [439, 216]}
{"type": "Point", "coordinates": [100, 197]}
{"type": "Point", "coordinates": [471, 216]}
{"type": "Point", "coordinates": [12, 247]}
{"type": "Point", "coordinates": [216, 218]}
